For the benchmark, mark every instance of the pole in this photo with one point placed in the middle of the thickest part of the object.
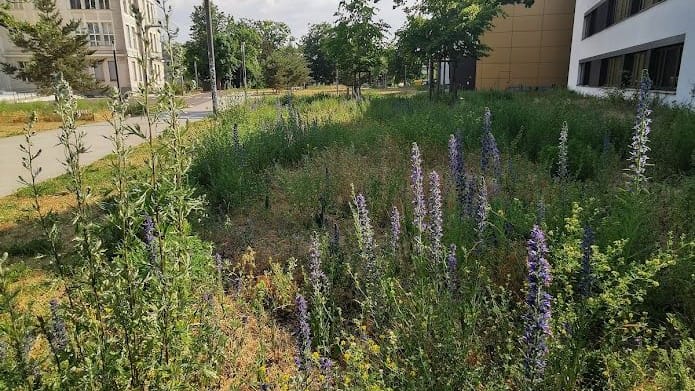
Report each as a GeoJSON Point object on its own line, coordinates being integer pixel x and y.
{"type": "Point", "coordinates": [195, 70]}
{"type": "Point", "coordinates": [211, 56]}
{"type": "Point", "coordinates": [243, 64]}
{"type": "Point", "coordinates": [115, 62]}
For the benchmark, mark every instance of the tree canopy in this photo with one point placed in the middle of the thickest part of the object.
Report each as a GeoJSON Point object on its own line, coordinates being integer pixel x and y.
{"type": "Point", "coordinates": [55, 47]}
{"type": "Point", "coordinates": [322, 66]}
{"type": "Point", "coordinates": [286, 68]}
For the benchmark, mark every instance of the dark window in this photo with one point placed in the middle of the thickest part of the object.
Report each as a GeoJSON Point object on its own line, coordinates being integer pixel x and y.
{"type": "Point", "coordinates": [625, 70]}
{"type": "Point", "coordinates": [664, 66]}
{"type": "Point", "coordinates": [75, 4]}
{"type": "Point", "coordinates": [610, 12]}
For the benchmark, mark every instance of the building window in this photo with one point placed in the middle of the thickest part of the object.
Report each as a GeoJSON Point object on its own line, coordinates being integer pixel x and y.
{"type": "Point", "coordinates": [94, 34]}
{"type": "Point", "coordinates": [76, 4]}
{"type": "Point", "coordinates": [14, 4]}
{"type": "Point", "coordinates": [23, 66]}
{"type": "Point", "coordinates": [129, 39]}
{"type": "Point", "coordinates": [610, 12]}
{"type": "Point", "coordinates": [113, 75]}
{"type": "Point", "coordinates": [107, 33]}
{"type": "Point", "coordinates": [625, 70]}
{"type": "Point", "coordinates": [90, 4]}
{"type": "Point", "coordinates": [104, 4]}
{"type": "Point", "coordinates": [664, 66]}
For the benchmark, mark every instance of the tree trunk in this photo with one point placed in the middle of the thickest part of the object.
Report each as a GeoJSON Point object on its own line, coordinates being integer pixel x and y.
{"type": "Point", "coordinates": [454, 87]}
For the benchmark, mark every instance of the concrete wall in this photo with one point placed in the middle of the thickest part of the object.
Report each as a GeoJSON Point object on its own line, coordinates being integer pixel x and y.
{"type": "Point", "coordinates": [665, 20]}
{"type": "Point", "coordinates": [530, 47]}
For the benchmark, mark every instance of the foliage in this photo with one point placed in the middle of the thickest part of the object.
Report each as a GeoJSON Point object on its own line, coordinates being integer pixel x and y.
{"type": "Point", "coordinates": [286, 68]}
{"type": "Point", "coordinates": [356, 41]}
{"type": "Point", "coordinates": [55, 47]}
{"type": "Point", "coordinates": [313, 46]}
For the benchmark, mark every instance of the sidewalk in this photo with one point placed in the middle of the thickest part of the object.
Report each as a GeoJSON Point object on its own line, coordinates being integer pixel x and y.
{"type": "Point", "coordinates": [96, 138]}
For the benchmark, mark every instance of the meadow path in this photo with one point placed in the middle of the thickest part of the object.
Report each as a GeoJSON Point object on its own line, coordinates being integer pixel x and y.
{"type": "Point", "coordinates": [199, 107]}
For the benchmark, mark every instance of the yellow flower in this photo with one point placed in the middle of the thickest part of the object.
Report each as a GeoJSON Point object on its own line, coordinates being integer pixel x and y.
{"type": "Point", "coordinates": [315, 356]}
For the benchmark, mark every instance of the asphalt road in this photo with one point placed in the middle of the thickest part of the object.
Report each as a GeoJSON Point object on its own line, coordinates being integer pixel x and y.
{"type": "Point", "coordinates": [199, 107]}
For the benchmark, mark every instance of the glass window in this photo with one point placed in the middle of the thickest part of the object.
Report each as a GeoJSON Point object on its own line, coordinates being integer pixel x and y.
{"type": "Point", "coordinates": [90, 4]}
{"type": "Point", "coordinates": [104, 4]}
{"type": "Point", "coordinates": [76, 4]}
{"type": "Point", "coordinates": [107, 32]}
{"type": "Point", "coordinates": [94, 35]}
{"type": "Point", "coordinates": [664, 67]}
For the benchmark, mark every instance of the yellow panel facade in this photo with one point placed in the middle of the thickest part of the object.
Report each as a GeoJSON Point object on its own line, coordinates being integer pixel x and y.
{"type": "Point", "coordinates": [530, 47]}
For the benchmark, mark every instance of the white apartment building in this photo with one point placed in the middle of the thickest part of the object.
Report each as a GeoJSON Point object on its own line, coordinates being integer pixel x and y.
{"type": "Point", "coordinates": [613, 40]}
{"type": "Point", "coordinates": [111, 28]}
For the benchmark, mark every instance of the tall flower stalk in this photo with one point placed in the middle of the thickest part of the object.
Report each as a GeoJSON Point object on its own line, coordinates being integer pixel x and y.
{"type": "Point", "coordinates": [585, 279]}
{"type": "Point", "coordinates": [482, 210]}
{"type": "Point", "coordinates": [458, 175]}
{"type": "Point", "coordinates": [436, 216]}
{"type": "Point", "coordinates": [490, 154]}
{"type": "Point", "coordinates": [419, 206]}
{"type": "Point", "coordinates": [303, 360]}
{"type": "Point", "coordinates": [538, 307]}
{"type": "Point", "coordinates": [639, 148]}
{"type": "Point", "coordinates": [395, 229]}
{"type": "Point", "coordinates": [562, 167]}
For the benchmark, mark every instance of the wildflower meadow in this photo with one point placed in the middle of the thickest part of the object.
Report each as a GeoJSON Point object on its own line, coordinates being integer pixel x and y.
{"type": "Point", "coordinates": [516, 241]}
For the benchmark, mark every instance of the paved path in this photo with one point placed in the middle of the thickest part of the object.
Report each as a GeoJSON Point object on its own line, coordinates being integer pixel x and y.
{"type": "Point", "coordinates": [199, 107]}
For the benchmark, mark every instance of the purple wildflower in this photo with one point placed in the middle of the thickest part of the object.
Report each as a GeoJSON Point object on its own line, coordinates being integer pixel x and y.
{"type": "Point", "coordinates": [316, 275]}
{"type": "Point", "coordinates": [457, 171]}
{"type": "Point", "coordinates": [58, 333]}
{"type": "Point", "coordinates": [436, 220]}
{"type": "Point", "coordinates": [562, 170]}
{"type": "Point", "coordinates": [585, 277]}
{"type": "Point", "coordinates": [148, 237]}
{"type": "Point", "coordinates": [490, 154]}
{"type": "Point", "coordinates": [482, 209]}
{"type": "Point", "coordinates": [452, 268]}
{"type": "Point", "coordinates": [395, 228]}
{"type": "Point", "coordinates": [419, 207]}
{"type": "Point", "coordinates": [537, 319]}
{"type": "Point", "coordinates": [366, 239]}
{"type": "Point", "coordinates": [639, 160]}
{"type": "Point", "coordinates": [326, 367]}
{"type": "Point", "coordinates": [304, 334]}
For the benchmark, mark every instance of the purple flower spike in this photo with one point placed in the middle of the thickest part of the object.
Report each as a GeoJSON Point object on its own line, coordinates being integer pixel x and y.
{"type": "Point", "coordinates": [149, 237]}
{"type": "Point", "coordinates": [316, 275]}
{"type": "Point", "coordinates": [395, 228]}
{"type": "Point", "coordinates": [304, 334]}
{"type": "Point", "coordinates": [417, 184]}
{"type": "Point", "coordinates": [366, 239]}
{"type": "Point", "coordinates": [458, 172]}
{"type": "Point", "coordinates": [436, 220]}
{"type": "Point", "coordinates": [58, 332]}
{"type": "Point", "coordinates": [538, 301]}
{"type": "Point", "coordinates": [482, 209]}
{"type": "Point", "coordinates": [639, 148]}
{"type": "Point", "coordinates": [490, 156]}
{"type": "Point", "coordinates": [452, 269]}
{"type": "Point", "coordinates": [585, 279]}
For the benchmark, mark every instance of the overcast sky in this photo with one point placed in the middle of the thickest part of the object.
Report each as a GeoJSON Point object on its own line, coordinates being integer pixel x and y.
{"type": "Point", "coordinates": [298, 14]}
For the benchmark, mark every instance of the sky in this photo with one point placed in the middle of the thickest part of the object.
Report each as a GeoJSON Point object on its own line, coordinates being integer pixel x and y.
{"type": "Point", "coordinates": [298, 14]}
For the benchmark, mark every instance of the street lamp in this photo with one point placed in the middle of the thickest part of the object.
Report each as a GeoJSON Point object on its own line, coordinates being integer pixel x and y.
{"type": "Point", "coordinates": [115, 62]}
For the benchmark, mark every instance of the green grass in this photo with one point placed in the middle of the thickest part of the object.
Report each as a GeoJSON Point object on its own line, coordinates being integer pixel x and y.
{"type": "Point", "coordinates": [286, 182]}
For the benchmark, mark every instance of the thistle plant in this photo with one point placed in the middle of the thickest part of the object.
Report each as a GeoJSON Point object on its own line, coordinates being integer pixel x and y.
{"type": "Point", "coordinates": [562, 170]}
{"type": "Point", "coordinates": [419, 206]}
{"type": "Point", "coordinates": [538, 307]}
{"type": "Point", "coordinates": [436, 220]}
{"type": "Point", "coordinates": [639, 148]}
{"type": "Point", "coordinates": [490, 154]}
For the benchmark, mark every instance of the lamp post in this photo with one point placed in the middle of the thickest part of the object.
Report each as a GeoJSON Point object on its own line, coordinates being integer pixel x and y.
{"type": "Point", "coordinates": [115, 63]}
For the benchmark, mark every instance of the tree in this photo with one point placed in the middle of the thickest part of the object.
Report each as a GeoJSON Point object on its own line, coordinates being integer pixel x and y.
{"type": "Point", "coordinates": [449, 29]}
{"type": "Point", "coordinates": [274, 35]}
{"type": "Point", "coordinates": [356, 41]}
{"type": "Point", "coordinates": [55, 47]}
{"type": "Point", "coordinates": [286, 68]}
{"type": "Point", "coordinates": [322, 66]}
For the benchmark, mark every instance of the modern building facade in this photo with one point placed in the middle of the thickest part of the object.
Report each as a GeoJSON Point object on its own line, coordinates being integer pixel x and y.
{"type": "Point", "coordinates": [111, 28]}
{"type": "Point", "coordinates": [614, 40]}
{"type": "Point", "coordinates": [530, 48]}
